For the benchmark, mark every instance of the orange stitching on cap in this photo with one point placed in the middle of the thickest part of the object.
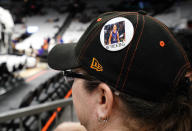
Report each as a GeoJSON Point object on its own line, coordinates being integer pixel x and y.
{"type": "Point", "coordinates": [86, 45]}
{"type": "Point", "coordinates": [162, 43]}
{"type": "Point", "coordinates": [136, 24]}
{"type": "Point", "coordinates": [177, 78]}
{"type": "Point", "coordinates": [179, 74]}
{"type": "Point", "coordinates": [176, 42]}
{"type": "Point", "coordinates": [122, 13]}
{"type": "Point", "coordinates": [127, 13]}
{"type": "Point", "coordinates": [95, 65]}
{"type": "Point", "coordinates": [88, 40]}
{"type": "Point", "coordinates": [134, 53]}
{"type": "Point", "coordinates": [122, 67]}
{"type": "Point", "coordinates": [83, 49]}
{"type": "Point", "coordinates": [126, 56]}
{"type": "Point", "coordinates": [99, 19]}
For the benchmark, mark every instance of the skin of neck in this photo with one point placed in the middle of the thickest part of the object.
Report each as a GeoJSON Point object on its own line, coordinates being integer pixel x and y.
{"type": "Point", "coordinates": [118, 121]}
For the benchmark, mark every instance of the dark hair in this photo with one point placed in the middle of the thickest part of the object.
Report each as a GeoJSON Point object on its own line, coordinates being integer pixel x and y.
{"type": "Point", "coordinates": [174, 113]}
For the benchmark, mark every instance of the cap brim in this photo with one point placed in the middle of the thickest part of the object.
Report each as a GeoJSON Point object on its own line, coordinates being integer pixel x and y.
{"type": "Point", "coordinates": [62, 57]}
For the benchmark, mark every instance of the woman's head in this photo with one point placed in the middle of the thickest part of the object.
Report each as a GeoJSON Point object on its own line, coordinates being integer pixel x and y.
{"type": "Point", "coordinates": [93, 101]}
{"type": "Point", "coordinates": [98, 105]}
{"type": "Point", "coordinates": [138, 84]}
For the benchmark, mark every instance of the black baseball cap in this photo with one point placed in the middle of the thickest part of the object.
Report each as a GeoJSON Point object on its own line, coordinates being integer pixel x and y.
{"type": "Point", "coordinates": [131, 51]}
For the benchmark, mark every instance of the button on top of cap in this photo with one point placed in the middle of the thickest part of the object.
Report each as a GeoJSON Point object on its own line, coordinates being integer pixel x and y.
{"type": "Point", "coordinates": [142, 12]}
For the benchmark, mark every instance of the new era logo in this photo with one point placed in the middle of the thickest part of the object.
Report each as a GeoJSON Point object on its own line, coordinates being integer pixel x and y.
{"type": "Point", "coordinates": [95, 65]}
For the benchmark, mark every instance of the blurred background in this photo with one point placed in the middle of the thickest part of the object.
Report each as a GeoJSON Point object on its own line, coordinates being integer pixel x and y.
{"type": "Point", "coordinates": [33, 96]}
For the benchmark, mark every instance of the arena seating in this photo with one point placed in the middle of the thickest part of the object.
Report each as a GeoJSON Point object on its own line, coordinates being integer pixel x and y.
{"type": "Point", "coordinates": [9, 65]}
{"type": "Point", "coordinates": [54, 88]}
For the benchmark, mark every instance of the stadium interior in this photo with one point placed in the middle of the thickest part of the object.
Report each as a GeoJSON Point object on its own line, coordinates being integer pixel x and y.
{"type": "Point", "coordinates": [29, 29]}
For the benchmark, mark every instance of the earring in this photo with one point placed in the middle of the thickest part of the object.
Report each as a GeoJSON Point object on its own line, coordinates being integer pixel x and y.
{"type": "Point", "coordinates": [102, 120]}
{"type": "Point", "coordinates": [105, 120]}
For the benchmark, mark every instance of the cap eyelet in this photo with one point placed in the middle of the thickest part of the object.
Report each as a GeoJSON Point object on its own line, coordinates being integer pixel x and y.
{"type": "Point", "coordinates": [162, 43]}
{"type": "Point", "coordinates": [99, 19]}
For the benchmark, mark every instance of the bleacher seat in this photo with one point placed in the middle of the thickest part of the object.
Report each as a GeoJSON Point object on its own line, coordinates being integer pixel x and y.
{"type": "Point", "coordinates": [27, 99]}
{"type": "Point", "coordinates": [38, 91]}
{"type": "Point", "coordinates": [51, 89]}
{"type": "Point", "coordinates": [43, 97]}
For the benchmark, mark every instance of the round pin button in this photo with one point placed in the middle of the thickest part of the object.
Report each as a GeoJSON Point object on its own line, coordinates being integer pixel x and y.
{"type": "Point", "coordinates": [116, 34]}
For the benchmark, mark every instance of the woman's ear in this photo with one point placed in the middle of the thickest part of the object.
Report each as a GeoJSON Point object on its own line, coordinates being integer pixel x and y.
{"type": "Point", "coordinates": [105, 103]}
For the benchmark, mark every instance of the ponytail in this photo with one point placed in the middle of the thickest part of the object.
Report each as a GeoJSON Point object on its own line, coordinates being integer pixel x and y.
{"type": "Point", "coordinates": [179, 110]}
{"type": "Point", "coordinates": [174, 113]}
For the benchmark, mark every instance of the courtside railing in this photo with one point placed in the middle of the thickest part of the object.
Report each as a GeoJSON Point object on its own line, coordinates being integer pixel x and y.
{"type": "Point", "coordinates": [37, 110]}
